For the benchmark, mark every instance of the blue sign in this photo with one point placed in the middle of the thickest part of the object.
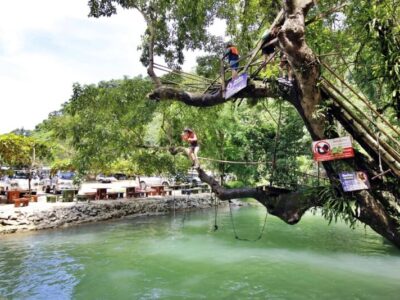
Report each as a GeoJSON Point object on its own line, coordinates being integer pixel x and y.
{"type": "Point", "coordinates": [236, 85]}
{"type": "Point", "coordinates": [354, 181]}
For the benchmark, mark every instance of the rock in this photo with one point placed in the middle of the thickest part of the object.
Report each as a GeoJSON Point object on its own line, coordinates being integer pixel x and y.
{"type": "Point", "coordinates": [63, 215]}
{"type": "Point", "coordinates": [9, 222]}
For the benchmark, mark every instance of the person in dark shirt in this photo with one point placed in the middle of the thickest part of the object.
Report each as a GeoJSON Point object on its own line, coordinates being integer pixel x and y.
{"type": "Point", "coordinates": [190, 136]}
{"type": "Point", "coordinates": [268, 48]}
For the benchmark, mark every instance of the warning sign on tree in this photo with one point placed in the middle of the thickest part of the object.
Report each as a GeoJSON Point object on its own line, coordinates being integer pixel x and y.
{"type": "Point", "coordinates": [354, 181]}
{"type": "Point", "coordinates": [333, 149]}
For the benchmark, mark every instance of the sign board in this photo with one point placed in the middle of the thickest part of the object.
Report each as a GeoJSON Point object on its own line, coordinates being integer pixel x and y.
{"type": "Point", "coordinates": [236, 85]}
{"type": "Point", "coordinates": [333, 149]}
{"type": "Point", "coordinates": [354, 181]}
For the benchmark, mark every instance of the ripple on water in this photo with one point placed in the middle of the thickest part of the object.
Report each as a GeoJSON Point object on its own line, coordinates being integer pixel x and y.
{"type": "Point", "coordinates": [37, 272]}
{"type": "Point", "coordinates": [166, 258]}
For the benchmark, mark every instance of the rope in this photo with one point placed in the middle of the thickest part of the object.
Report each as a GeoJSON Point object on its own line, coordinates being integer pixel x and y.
{"type": "Point", "coordinates": [366, 102]}
{"type": "Point", "coordinates": [216, 206]}
{"type": "Point", "coordinates": [181, 73]}
{"type": "Point", "coordinates": [234, 227]}
{"type": "Point", "coordinates": [235, 162]}
{"type": "Point", "coordinates": [272, 117]}
{"type": "Point", "coordinates": [185, 210]}
{"type": "Point", "coordinates": [363, 114]}
{"type": "Point", "coordinates": [263, 65]}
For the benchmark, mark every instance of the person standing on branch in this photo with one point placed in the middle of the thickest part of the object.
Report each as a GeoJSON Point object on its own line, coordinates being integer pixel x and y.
{"type": "Point", "coordinates": [190, 136]}
{"type": "Point", "coordinates": [233, 58]}
{"type": "Point", "coordinates": [286, 71]}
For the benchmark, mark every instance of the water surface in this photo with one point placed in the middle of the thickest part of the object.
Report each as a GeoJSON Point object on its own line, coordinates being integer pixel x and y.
{"type": "Point", "coordinates": [181, 257]}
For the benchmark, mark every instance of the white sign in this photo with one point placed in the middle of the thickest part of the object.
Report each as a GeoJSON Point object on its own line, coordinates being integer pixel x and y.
{"type": "Point", "coordinates": [236, 85]}
{"type": "Point", "coordinates": [354, 181]}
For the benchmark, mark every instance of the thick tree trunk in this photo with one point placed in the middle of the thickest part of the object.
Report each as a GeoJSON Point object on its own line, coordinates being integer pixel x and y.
{"type": "Point", "coordinates": [380, 213]}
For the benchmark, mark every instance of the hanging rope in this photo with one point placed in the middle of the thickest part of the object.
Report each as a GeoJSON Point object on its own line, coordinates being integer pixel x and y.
{"type": "Point", "coordinates": [235, 162]}
{"type": "Point", "coordinates": [278, 130]}
{"type": "Point", "coordinates": [185, 210]}
{"type": "Point", "coordinates": [234, 227]}
{"type": "Point", "coordinates": [215, 201]}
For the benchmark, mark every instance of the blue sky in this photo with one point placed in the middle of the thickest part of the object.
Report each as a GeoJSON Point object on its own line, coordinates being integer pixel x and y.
{"type": "Point", "coordinates": [47, 45]}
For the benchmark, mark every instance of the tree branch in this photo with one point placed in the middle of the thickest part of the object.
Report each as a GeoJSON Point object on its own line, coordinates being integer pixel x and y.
{"type": "Point", "coordinates": [255, 90]}
{"type": "Point", "coordinates": [287, 205]}
{"type": "Point", "coordinates": [152, 34]}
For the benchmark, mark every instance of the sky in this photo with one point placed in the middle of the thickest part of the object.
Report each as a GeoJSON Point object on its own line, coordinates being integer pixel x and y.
{"type": "Point", "coordinates": [47, 45]}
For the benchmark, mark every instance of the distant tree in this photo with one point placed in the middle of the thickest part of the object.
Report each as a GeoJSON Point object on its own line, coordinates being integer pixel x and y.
{"type": "Point", "coordinates": [21, 151]}
{"type": "Point", "coordinates": [22, 131]}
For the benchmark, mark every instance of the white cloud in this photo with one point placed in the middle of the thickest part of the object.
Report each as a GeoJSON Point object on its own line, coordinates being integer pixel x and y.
{"type": "Point", "coordinates": [46, 45]}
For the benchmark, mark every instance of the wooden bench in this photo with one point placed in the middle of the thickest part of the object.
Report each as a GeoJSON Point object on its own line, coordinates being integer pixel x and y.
{"type": "Point", "coordinates": [152, 193]}
{"type": "Point", "coordinates": [112, 195]}
{"type": "Point", "coordinates": [140, 193]}
{"type": "Point", "coordinates": [21, 202]}
{"type": "Point", "coordinates": [81, 198]}
{"type": "Point", "coordinates": [131, 192]}
{"type": "Point", "coordinates": [51, 198]}
{"type": "Point", "coordinates": [90, 196]}
{"type": "Point", "coordinates": [167, 192]}
{"type": "Point", "coordinates": [101, 194]}
{"type": "Point", "coordinates": [12, 195]}
{"type": "Point", "coordinates": [34, 198]}
{"type": "Point", "coordinates": [191, 191]}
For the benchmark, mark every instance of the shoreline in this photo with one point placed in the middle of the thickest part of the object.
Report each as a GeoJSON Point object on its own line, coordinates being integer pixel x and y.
{"type": "Point", "coordinates": [43, 215]}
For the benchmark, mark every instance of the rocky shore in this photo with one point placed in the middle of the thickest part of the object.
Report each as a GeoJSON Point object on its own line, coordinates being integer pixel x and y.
{"type": "Point", "coordinates": [44, 215]}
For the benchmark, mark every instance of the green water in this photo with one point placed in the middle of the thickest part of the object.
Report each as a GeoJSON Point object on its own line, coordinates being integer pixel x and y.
{"type": "Point", "coordinates": [180, 257]}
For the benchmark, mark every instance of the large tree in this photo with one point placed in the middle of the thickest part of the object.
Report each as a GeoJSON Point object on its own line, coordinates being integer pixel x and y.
{"type": "Point", "coordinates": [377, 207]}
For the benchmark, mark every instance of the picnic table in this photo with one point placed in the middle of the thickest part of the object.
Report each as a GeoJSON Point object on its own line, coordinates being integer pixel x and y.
{"type": "Point", "coordinates": [21, 201]}
{"type": "Point", "coordinates": [68, 195]}
{"type": "Point", "coordinates": [180, 186]}
{"type": "Point", "coordinates": [157, 189]}
{"type": "Point", "coordinates": [136, 192]}
{"type": "Point", "coordinates": [11, 195]}
{"type": "Point", "coordinates": [101, 193]}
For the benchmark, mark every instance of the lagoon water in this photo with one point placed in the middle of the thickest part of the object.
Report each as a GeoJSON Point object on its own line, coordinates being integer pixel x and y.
{"type": "Point", "coordinates": [181, 257]}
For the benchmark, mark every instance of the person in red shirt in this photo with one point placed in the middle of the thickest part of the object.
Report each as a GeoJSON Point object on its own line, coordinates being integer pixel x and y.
{"type": "Point", "coordinates": [190, 136]}
{"type": "Point", "coordinates": [233, 57]}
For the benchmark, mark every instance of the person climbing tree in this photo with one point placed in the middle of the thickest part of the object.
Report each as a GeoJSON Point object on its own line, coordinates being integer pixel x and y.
{"type": "Point", "coordinates": [268, 48]}
{"type": "Point", "coordinates": [190, 136]}
{"type": "Point", "coordinates": [233, 58]}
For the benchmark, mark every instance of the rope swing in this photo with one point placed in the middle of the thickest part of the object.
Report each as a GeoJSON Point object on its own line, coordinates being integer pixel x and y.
{"type": "Point", "coordinates": [234, 227]}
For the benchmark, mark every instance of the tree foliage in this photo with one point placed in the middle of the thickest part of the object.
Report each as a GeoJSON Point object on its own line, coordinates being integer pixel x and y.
{"type": "Point", "coordinates": [20, 151]}
{"type": "Point", "coordinates": [113, 125]}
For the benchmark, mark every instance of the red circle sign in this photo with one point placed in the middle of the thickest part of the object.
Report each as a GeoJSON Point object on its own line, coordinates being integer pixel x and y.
{"type": "Point", "coordinates": [322, 147]}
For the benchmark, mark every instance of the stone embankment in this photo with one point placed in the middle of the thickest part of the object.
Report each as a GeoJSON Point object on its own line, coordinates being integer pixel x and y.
{"type": "Point", "coordinates": [38, 216]}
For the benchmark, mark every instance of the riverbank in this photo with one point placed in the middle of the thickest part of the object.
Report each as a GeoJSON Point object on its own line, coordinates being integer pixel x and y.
{"type": "Point", "coordinates": [44, 215]}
